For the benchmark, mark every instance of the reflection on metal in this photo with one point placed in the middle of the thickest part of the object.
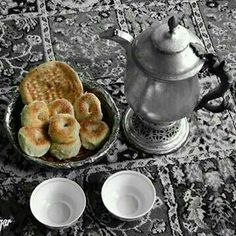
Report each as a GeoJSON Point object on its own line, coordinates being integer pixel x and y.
{"type": "Point", "coordinates": [161, 138]}
{"type": "Point", "coordinates": [161, 84]}
{"type": "Point", "coordinates": [111, 117]}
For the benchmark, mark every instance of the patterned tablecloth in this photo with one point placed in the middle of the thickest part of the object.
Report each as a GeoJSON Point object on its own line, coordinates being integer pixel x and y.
{"type": "Point", "coordinates": [196, 190]}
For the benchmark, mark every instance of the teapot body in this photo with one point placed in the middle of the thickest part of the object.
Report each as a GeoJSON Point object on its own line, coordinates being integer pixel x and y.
{"type": "Point", "coordinates": [161, 84]}
{"type": "Point", "coordinates": [157, 100]}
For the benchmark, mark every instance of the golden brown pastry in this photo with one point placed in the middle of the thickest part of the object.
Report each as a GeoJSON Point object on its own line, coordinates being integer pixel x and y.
{"type": "Point", "coordinates": [93, 133]}
{"type": "Point", "coordinates": [34, 141]}
{"type": "Point", "coordinates": [65, 150]}
{"type": "Point", "coordinates": [49, 81]}
{"type": "Point", "coordinates": [60, 106]}
{"type": "Point", "coordinates": [63, 128]}
{"type": "Point", "coordinates": [35, 114]}
{"type": "Point", "coordinates": [88, 106]}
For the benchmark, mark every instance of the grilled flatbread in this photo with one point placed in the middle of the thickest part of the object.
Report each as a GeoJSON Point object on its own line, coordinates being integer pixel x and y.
{"type": "Point", "coordinates": [50, 81]}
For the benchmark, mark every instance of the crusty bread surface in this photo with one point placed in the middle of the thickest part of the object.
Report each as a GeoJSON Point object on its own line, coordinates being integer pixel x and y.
{"type": "Point", "coordinates": [49, 81]}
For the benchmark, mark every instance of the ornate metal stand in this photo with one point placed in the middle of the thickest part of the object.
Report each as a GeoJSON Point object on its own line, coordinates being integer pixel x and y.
{"type": "Point", "coordinates": [159, 138]}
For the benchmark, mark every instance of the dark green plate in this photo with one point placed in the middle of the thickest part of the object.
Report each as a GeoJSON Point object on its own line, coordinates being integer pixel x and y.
{"type": "Point", "coordinates": [111, 117]}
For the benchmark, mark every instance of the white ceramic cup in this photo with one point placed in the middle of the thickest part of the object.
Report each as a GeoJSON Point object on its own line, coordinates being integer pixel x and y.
{"type": "Point", "coordinates": [128, 195]}
{"type": "Point", "coordinates": [57, 202]}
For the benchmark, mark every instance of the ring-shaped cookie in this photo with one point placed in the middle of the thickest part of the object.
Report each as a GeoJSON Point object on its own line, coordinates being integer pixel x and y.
{"type": "Point", "coordinates": [63, 128]}
{"type": "Point", "coordinates": [34, 141]}
{"type": "Point", "coordinates": [60, 106]}
{"type": "Point", "coordinates": [88, 106]}
{"type": "Point", "coordinates": [64, 151]}
{"type": "Point", "coordinates": [93, 133]}
{"type": "Point", "coordinates": [35, 114]}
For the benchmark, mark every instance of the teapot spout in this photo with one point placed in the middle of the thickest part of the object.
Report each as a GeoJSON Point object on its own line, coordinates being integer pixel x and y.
{"type": "Point", "coordinates": [121, 37]}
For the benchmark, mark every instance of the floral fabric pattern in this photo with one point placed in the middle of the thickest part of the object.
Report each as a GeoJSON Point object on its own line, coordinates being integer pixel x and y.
{"type": "Point", "coordinates": [8, 7]}
{"type": "Point", "coordinates": [195, 186]}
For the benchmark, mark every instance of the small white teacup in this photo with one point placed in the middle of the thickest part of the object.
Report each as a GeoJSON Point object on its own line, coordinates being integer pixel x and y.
{"type": "Point", "coordinates": [57, 202]}
{"type": "Point", "coordinates": [128, 195]}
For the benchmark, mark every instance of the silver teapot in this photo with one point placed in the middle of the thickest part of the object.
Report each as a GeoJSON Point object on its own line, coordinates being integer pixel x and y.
{"type": "Point", "coordinates": [162, 86]}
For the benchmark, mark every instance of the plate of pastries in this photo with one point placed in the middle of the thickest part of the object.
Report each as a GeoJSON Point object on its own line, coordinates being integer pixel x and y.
{"type": "Point", "coordinates": [61, 119]}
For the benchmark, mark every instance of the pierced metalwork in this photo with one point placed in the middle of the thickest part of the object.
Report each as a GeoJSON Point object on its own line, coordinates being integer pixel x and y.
{"type": "Point", "coordinates": [161, 138]}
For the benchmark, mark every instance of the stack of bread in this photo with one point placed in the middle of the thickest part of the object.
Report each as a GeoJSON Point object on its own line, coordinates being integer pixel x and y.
{"type": "Point", "coordinates": [49, 120]}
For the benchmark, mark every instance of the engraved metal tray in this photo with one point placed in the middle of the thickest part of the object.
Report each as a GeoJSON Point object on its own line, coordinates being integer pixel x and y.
{"type": "Point", "coordinates": [111, 116]}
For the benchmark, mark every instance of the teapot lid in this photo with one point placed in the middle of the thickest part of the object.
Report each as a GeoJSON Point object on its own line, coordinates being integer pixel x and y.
{"type": "Point", "coordinates": [164, 51]}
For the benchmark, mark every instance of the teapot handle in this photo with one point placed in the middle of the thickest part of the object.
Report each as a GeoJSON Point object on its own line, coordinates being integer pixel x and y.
{"type": "Point", "coordinates": [226, 80]}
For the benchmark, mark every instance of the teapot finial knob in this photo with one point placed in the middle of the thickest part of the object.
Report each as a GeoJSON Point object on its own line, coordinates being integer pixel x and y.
{"type": "Point", "coordinates": [172, 23]}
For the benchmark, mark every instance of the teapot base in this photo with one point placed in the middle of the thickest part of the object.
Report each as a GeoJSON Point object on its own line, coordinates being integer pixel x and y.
{"type": "Point", "coordinates": [161, 138]}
